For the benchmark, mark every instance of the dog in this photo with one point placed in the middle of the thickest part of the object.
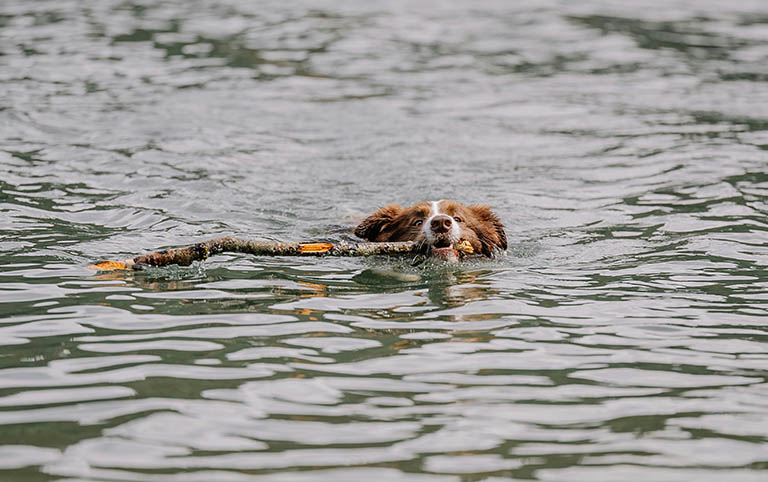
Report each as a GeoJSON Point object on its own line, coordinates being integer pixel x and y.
{"type": "Point", "coordinates": [447, 229]}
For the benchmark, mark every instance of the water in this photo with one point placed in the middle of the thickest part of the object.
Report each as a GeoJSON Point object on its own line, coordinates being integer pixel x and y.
{"type": "Point", "coordinates": [622, 338]}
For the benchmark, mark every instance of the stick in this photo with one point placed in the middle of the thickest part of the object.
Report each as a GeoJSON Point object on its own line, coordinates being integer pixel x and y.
{"type": "Point", "coordinates": [200, 251]}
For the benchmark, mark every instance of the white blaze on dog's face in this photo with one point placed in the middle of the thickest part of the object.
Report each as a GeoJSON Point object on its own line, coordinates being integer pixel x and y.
{"type": "Point", "coordinates": [441, 225]}
{"type": "Point", "coordinates": [441, 232]}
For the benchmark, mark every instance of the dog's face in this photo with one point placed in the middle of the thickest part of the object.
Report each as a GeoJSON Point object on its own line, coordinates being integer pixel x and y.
{"type": "Point", "coordinates": [440, 225]}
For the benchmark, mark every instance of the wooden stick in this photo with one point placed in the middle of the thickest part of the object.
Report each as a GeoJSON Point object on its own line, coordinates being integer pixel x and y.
{"type": "Point", "coordinates": [200, 251]}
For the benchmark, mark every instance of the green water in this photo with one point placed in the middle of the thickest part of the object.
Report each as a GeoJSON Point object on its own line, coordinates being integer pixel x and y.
{"type": "Point", "coordinates": [622, 337]}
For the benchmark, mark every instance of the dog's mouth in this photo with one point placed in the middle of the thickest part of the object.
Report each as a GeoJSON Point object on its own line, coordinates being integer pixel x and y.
{"type": "Point", "coordinates": [442, 242]}
{"type": "Point", "coordinates": [446, 254]}
{"type": "Point", "coordinates": [443, 248]}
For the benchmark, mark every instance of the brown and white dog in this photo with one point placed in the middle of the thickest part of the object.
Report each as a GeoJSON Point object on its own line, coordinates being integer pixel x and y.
{"type": "Point", "coordinates": [447, 229]}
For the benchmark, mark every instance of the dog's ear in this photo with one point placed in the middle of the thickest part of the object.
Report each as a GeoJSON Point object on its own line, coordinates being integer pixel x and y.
{"type": "Point", "coordinates": [374, 224]}
{"type": "Point", "coordinates": [489, 230]}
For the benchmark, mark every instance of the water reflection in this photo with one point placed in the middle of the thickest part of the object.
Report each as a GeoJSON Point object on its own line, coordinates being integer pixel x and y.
{"type": "Point", "coordinates": [621, 338]}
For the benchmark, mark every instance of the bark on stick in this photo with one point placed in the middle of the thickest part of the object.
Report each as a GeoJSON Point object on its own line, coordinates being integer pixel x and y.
{"type": "Point", "coordinates": [228, 244]}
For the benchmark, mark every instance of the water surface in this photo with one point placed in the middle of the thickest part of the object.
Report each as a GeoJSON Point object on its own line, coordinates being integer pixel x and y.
{"type": "Point", "coordinates": [622, 337]}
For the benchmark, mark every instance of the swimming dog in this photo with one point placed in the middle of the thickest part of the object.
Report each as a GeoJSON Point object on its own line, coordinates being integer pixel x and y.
{"type": "Point", "coordinates": [447, 229]}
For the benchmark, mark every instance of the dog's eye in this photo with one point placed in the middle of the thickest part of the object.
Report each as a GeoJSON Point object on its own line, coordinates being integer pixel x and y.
{"type": "Point", "coordinates": [457, 219]}
{"type": "Point", "coordinates": [418, 222]}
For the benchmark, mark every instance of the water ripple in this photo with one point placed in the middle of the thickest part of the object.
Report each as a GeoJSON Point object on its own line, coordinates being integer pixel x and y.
{"type": "Point", "coordinates": [622, 337]}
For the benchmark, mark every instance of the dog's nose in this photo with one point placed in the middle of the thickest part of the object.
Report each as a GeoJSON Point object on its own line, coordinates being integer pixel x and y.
{"type": "Point", "coordinates": [441, 223]}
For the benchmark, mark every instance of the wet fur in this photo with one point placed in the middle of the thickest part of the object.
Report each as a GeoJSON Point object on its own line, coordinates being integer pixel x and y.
{"type": "Point", "coordinates": [477, 224]}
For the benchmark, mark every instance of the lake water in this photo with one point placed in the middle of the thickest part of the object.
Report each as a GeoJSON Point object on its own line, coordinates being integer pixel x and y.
{"type": "Point", "coordinates": [622, 337]}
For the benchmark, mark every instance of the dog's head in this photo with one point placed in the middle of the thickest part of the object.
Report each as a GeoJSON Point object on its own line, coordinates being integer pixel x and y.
{"type": "Point", "coordinates": [441, 225]}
